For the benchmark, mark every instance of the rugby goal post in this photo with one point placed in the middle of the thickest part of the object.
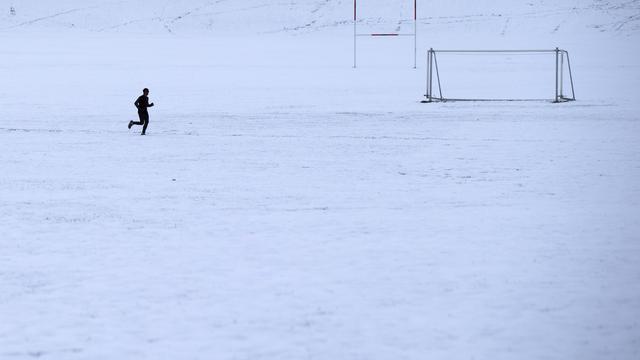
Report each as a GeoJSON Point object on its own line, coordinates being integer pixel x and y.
{"type": "Point", "coordinates": [562, 71]}
{"type": "Point", "coordinates": [356, 34]}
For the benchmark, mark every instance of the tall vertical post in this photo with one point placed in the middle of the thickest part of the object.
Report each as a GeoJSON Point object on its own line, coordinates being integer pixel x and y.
{"type": "Point", "coordinates": [562, 75]}
{"type": "Point", "coordinates": [426, 94]}
{"type": "Point", "coordinates": [415, 34]}
{"type": "Point", "coordinates": [430, 75]}
{"type": "Point", "coordinates": [355, 22]}
{"type": "Point", "coordinates": [557, 73]}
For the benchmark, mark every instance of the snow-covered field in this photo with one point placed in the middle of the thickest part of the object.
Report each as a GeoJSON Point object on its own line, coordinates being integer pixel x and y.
{"type": "Point", "coordinates": [286, 206]}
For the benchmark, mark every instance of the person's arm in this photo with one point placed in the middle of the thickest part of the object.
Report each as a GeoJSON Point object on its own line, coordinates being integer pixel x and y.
{"type": "Point", "coordinates": [151, 105]}
{"type": "Point", "coordinates": [137, 103]}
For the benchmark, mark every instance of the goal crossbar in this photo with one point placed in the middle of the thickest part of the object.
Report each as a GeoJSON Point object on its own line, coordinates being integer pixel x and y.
{"type": "Point", "coordinates": [562, 56]}
{"type": "Point", "coordinates": [494, 51]}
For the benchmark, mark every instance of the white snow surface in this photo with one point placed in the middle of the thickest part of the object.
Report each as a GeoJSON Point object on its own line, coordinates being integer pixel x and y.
{"type": "Point", "coordinates": [287, 206]}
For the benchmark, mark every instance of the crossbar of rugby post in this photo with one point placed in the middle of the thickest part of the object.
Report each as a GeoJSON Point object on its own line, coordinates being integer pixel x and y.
{"type": "Point", "coordinates": [385, 34]}
{"type": "Point", "coordinates": [414, 35]}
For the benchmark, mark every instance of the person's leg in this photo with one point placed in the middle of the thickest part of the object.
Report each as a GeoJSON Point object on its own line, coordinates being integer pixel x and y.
{"type": "Point", "coordinates": [141, 122]}
{"type": "Point", "coordinates": [145, 122]}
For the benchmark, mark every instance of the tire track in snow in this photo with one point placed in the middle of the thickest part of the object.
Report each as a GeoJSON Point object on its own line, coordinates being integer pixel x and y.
{"type": "Point", "coordinates": [33, 21]}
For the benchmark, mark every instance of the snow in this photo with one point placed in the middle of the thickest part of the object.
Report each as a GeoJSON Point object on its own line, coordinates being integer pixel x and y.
{"type": "Point", "coordinates": [286, 206]}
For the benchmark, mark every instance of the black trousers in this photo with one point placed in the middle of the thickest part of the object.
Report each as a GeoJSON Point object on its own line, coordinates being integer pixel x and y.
{"type": "Point", "coordinates": [144, 121]}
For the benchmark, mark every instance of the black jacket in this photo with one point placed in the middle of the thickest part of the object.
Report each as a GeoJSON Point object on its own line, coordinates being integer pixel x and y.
{"type": "Point", "coordinates": [142, 104]}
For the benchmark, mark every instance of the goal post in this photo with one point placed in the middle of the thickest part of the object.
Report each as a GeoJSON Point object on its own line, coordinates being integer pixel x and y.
{"type": "Point", "coordinates": [357, 34]}
{"type": "Point", "coordinates": [537, 70]}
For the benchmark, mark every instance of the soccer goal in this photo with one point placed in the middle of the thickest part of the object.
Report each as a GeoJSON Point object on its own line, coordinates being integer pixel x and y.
{"type": "Point", "coordinates": [499, 75]}
{"type": "Point", "coordinates": [371, 19]}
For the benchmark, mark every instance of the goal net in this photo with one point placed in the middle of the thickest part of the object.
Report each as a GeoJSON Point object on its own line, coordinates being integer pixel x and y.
{"type": "Point", "coordinates": [499, 75]}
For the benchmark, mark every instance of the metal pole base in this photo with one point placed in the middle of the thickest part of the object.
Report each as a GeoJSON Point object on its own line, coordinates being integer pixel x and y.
{"type": "Point", "coordinates": [562, 99]}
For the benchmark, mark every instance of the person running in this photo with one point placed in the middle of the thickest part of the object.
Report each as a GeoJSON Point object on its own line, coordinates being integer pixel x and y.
{"type": "Point", "coordinates": [142, 103]}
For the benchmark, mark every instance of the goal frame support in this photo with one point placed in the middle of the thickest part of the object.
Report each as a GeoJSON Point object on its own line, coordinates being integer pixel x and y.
{"type": "Point", "coordinates": [356, 35]}
{"type": "Point", "coordinates": [561, 56]}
